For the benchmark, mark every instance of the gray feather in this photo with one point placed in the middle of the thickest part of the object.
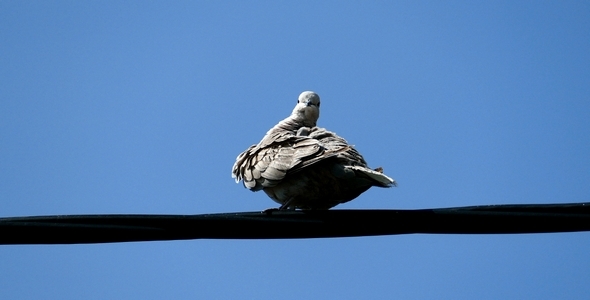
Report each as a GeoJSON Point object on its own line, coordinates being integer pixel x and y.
{"type": "Point", "coordinates": [303, 166]}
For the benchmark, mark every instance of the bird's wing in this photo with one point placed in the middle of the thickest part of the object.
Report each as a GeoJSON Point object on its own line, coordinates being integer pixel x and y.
{"type": "Point", "coordinates": [266, 164]}
{"type": "Point", "coordinates": [351, 159]}
{"type": "Point", "coordinates": [332, 141]}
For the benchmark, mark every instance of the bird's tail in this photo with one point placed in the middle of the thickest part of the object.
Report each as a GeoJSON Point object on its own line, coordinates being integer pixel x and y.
{"type": "Point", "coordinates": [377, 175]}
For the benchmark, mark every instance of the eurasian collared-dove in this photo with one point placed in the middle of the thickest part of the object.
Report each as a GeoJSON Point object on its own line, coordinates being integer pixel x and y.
{"type": "Point", "coordinates": [299, 165]}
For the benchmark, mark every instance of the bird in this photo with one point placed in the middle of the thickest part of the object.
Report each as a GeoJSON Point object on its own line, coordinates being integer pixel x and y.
{"type": "Point", "coordinates": [302, 166]}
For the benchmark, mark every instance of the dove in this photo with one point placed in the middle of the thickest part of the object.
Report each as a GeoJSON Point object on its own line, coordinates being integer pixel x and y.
{"type": "Point", "coordinates": [302, 166]}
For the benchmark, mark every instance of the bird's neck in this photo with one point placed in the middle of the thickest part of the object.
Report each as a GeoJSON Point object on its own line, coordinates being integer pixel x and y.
{"type": "Point", "coordinates": [286, 127]}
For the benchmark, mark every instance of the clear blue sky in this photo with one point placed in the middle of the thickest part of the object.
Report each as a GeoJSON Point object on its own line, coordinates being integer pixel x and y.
{"type": "Point", "coordinates": [141, 108]}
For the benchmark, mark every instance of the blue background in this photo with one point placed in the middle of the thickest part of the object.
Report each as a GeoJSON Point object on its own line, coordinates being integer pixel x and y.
{"type": "Point", "coordinates": [141, 107]}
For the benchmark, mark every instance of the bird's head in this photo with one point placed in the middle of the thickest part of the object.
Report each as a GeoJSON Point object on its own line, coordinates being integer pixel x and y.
{"type": "Point", "coordinates": [308, 108]}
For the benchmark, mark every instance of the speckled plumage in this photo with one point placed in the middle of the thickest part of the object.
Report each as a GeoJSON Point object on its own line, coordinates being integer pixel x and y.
{"type": "Point", "coordinates": [299, 165]}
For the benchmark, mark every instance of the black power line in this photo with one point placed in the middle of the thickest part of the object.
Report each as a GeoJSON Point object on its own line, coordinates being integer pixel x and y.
{"type": "Point", "coordinates": [489, 219]}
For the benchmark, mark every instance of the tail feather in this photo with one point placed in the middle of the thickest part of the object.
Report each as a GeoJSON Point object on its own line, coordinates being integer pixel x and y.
{"type": "Point", "coordinates": [382, 179]}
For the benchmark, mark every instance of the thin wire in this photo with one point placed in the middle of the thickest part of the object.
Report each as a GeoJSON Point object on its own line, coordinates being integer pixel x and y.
{"type": "Point", "coordinates": [489, 219]}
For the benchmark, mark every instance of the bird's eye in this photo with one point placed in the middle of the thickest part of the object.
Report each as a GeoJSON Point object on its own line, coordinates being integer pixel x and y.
{"type": "Point", "coordinates": [318, 104]}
